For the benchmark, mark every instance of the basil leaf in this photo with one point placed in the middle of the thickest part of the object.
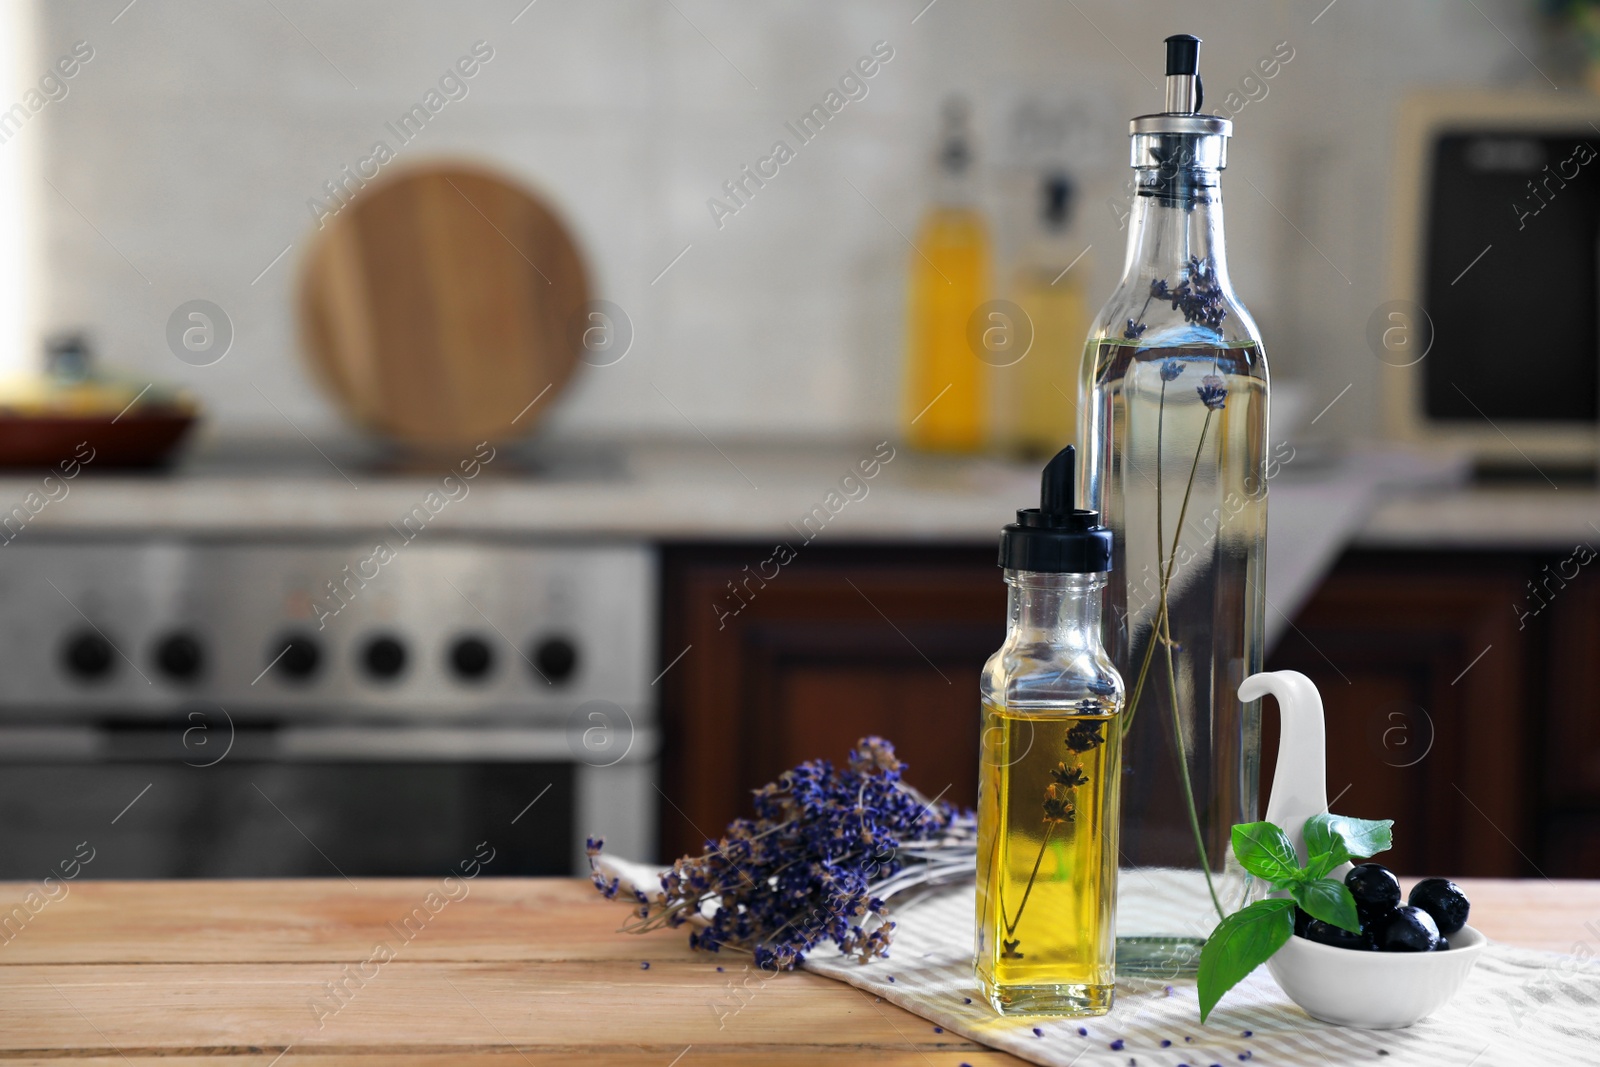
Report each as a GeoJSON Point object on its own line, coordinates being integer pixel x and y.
{"type": "Point", "coordinates": [1325, 847]}
{"type": "Point", "coordinates": [1241, 943]}
{"type": "Point", "coordinates": [1324, 862]}
{"type": "Point", "coordinates": [1361, 837]}
{"type": "Point", "coordinates": [1329, 901]}
{"type": "Point", "coordinates": [1266, 852]}
{"type": "Point", "coordinates": [1327, 850]}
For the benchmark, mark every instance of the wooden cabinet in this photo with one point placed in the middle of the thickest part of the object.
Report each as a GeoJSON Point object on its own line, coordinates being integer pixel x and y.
{"type": "Point", "coordinates": [1565, 594]}
{"type": "Point", "coordinates": [1448, 707]}
{"type": "Point", "coordinates": [1425, 682]}
{"type": "Point", "coordinates": [839, 643]}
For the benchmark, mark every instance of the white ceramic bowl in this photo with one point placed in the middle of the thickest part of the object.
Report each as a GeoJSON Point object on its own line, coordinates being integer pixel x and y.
{"type": "Point", "coordinates": [1373, 990]}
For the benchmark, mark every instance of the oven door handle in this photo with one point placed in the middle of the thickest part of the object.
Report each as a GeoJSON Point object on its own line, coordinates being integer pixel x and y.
{"type": "Point", "coordinates": [444, 744]}
{"type": "Point", "coordinates": [203, 747]}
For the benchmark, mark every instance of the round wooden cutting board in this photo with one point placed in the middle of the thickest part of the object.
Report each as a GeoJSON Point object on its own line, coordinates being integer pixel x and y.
{"type": "Point", "coordinates": [440, 304]}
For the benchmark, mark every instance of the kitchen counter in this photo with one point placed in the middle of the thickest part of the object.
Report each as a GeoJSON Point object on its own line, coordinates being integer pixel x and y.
{"type": "Point", "coordinates": [515, 971]}
{"type": "Point", "coordinates": [651, 491]}
{"type": "Point", "coordinates": [1527, 517]}
{"type": "Point", "coordinates": [637, 490]}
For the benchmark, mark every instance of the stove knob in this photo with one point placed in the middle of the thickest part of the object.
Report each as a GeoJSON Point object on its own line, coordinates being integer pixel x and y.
{"type": "Point", "coordinates": [296, 655]}
{"type": "Point", "coordinates": [180, 657]}
{"type": "Point", "coordinates": [87, 656]}
{"type": "Point", "coordinates": [556, 659]}
{"type": "Point", "coordinates": [384, 657]}
{"type": "Point", "coordinates": [471, 658]}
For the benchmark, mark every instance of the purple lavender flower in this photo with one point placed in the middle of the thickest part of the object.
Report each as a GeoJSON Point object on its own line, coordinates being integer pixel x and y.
{"type": "Point", "coordinates": [1198, 296]}
{"type": "Point", "coordinates": [1213, 394]}
{"type": "Point", "coordinates": [1134, 330]}
{"type": "Point", "coordinates": [1085, 735]}
{"type": "Point", "coordinates": [1170, 369]}
{"type": "Point", "coordinates": [800, 872]}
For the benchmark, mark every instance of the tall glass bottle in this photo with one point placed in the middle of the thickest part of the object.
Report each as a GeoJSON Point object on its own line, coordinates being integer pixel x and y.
{"type": "Point", "coordinates": [1039, 393]}
{"type": "Point", "coordinates": [1049, 770]}
{"type": "Point", "coordinates": [946, 383]}
{"type": "Point", "coordinates": [1174, 431]}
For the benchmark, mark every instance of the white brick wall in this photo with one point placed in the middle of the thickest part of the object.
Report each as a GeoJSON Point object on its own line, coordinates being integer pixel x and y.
{"type": "Point", "coordinates": [195, 136]}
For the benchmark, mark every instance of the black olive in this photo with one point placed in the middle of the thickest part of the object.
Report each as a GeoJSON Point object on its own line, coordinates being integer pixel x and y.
{"type": "Point", "coordinates": [1410, 930]}
{"type": "Point", "coordinates": [1444, 900]}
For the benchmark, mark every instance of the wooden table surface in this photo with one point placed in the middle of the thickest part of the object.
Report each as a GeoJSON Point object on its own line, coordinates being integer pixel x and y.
{"type": "Point", "coordinates": [513, 972]}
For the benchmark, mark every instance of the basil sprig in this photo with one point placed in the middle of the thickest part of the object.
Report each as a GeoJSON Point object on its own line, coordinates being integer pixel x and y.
{"type": "Point", "coordinates": [1248, 938]}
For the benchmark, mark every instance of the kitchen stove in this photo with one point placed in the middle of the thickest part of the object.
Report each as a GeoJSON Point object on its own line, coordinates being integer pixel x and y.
{"type": "Point", "coordinates": [285, 706]}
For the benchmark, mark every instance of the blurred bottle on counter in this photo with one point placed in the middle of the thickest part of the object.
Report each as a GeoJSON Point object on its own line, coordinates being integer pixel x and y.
{"type": "Point", "coordinates": [946, 383]}
{"type": "Point", "coordinates": [1037, 410]}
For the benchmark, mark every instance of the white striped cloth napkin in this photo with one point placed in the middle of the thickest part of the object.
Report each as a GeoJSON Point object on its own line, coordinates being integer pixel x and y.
{"type": "Point", "coordinates": [1518, 1008]}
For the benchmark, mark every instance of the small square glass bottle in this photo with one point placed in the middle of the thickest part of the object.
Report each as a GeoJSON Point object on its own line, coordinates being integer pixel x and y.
{"type": "Point", "coordinates": [1050, 767]}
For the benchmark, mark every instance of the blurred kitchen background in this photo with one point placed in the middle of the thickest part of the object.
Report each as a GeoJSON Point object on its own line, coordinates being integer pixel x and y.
{"type": "Point", "coordinates": [588, 633]}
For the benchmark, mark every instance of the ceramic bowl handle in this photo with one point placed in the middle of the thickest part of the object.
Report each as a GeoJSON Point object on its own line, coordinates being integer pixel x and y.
{"type": "Point", "coordinates": [1299, 779]}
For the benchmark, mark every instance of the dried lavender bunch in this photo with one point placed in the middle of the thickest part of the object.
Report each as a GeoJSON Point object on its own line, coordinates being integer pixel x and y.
{"type": "Point", "coordinates": [804, 869]}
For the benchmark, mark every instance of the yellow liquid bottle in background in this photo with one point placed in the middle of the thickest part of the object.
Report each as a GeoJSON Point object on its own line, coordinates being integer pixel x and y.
{"type": "Point", "coordinates": [1037, 397]}
{"type": "Point", "coordinates": [946, 383]}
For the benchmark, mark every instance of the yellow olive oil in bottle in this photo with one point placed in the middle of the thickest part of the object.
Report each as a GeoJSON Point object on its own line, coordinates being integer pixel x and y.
{"type": "Point", "coordinates": [1038, 394]}
{"type": "Point", "coordinates": [1050, 767]}
{"type": "Point", "coordinates": [946, 383]}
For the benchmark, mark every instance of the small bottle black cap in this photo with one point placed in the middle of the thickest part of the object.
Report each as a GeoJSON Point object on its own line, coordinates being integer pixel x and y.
{"type": "Point", "coordinates": [1183, 54]}
{"type": "Point", "coordinates": [1056, 537]}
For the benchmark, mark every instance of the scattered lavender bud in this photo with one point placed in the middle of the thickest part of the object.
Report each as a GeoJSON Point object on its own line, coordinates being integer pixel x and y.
{"type": "Point", "coordinates": [1116, 1046]}
{"type": "Point", "coordinates": [938, 1029]}
{"type": "Point", "coordinates": [1249, 1033]}
{"type": "Point", "coordinates": [1083, 1031]}
{"type": "Point", "coordinates": [644, 965]}
{"type": "Point", "coordinates": [967, 999]}
{"type": "Point", "coordinates": [891, 978]}
{"type": "Point", "coordinates": [1037, 1032]}
{"type": "Point", "coordinates": [1165, 1043]}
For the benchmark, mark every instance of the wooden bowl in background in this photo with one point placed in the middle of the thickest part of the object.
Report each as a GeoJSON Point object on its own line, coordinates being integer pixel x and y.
{"type": "Point", "coordinates": [136, 439]}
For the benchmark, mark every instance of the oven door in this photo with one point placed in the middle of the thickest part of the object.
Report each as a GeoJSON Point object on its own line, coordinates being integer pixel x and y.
{"type": "Point", "coordinates": [203, 798]}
